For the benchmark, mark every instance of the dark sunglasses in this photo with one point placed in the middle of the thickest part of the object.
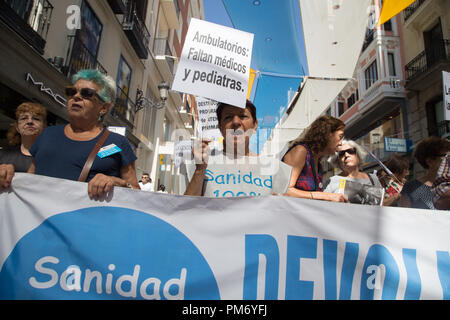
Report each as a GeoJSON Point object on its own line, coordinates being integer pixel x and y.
{"type": "Point", "coordinates": [349, 151]}
{"type": "Point", "coordinates": [86, 93]}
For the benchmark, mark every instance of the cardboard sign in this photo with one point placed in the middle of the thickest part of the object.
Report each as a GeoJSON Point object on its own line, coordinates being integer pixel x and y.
{"type": "Point", "coordinates": [215, 63]}
{"type": "Point", "coordinates": [207, 118]}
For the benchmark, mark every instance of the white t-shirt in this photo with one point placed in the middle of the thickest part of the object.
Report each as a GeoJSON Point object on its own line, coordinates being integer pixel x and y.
{"type": "Point", "coordinates": [245, 176]}
{"type": "Point", "coordinates": [146, 187]}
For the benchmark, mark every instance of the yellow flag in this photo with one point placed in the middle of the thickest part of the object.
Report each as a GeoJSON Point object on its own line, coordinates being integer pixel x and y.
{"type": "Point", "coordinates": [251, 80]}
{"type": "Point", "coordinates": [392, 8]}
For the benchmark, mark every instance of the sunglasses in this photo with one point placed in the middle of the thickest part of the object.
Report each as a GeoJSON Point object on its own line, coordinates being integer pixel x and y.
{"type": "Point", "coordinates": [349, 151]}
{"type": "Point", "coordinates": [86, 93]}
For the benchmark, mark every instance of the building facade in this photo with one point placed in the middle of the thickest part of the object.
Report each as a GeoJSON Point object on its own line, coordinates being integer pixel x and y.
{"type": "Point", "coordinates": [137, 43]}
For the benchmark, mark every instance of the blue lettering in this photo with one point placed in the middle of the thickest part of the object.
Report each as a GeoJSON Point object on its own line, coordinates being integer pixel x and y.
{"type": "Point", "coordinates": [268, 182]}
{"type": "Point", "coordinates": [258, 182]}
{"type": "Point", "coordinates": [231, 175]}
{"type": "Point", "coordinates": [348, 270]}
{"type": "Point", "coordinates": [249, 180]}
{"type": "Point", "coordinates": [210, 174]}
{"type": "Point", "coordinates": [222, 179]}
{"type": "Point", "coordinates": [297, 248]}
{"type": "Point", "coordinates": [443, 266]}
{"type": "Point", "coordinates": [216, 193]}
{"type": "Point", "coordinates": [231, 194]}
{"type": "Point", "coordinates": [329, 267]}
{"type": "Point", "coordinates": [376, 256]}
{"type": "Point", "coordinates": [266, 245]}
{"type": "Point", "coordinates": [243, 194]}
{"type": "Point", "coordinates": [413, 284]}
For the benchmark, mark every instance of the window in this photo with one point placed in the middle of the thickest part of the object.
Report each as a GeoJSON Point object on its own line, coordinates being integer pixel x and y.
{"type": "Point", "coordinates": [388, 25]}
{"type": "Point", "coordinates": [351, 100]}
{"type": "Point", "coordinates": [123, 87]}
{"type": "Point", "coordinates": [91, 30]}
{"type": "Point", "coordinates": [391, 63]}
{"type": "Point", "coordinates": [371, 74]}
{"type": "Point", "coordinates": [340, 108]}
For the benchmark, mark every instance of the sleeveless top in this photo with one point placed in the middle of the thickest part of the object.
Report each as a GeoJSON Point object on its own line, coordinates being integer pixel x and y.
{"type": "Point", "coordinates": [308, 180]}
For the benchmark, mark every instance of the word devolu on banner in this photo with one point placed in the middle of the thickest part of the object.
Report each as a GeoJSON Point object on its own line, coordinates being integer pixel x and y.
{"type": "Point", "coordinates": [215, 64]}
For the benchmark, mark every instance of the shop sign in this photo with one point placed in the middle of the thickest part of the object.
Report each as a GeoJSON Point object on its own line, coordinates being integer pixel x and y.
{"type": "Point", "coordinates": [58, 98]}
{"type": "Point", "coordinates": [446, 84]}
{"type": "Point", "coordinates": [396, 145]}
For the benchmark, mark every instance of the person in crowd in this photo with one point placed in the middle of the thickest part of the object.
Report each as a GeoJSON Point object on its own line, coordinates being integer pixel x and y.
{"type": "Point", "coordinates": [162, 188]}
{"type": "Point", "coordinates": [321, 139]}
{"type": "Point", "coordinates": [429, 153]}
{"type": "Point", "coordinates": [348, 158]}
{"type": "Point", "coordinates": [441, 186]}
{"type": "Point", "coordinates": [61, 151]}
{"type": "Point", "coordinates": [146, 182]}
{"type": "Point", "coordinates": [31, 120]}
{"type": "Point", "coordinates": [399, 166]}
{"type": "Point", "coordinates": [236, 171]}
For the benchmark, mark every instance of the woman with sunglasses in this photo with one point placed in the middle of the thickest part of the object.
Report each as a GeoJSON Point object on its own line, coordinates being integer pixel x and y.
{"type": "Point", "coordinates": [348, 158]}
{"type": "Point", "coordinates": [62, 150]}
{"type": "Point", "coordinates": [321, 139]}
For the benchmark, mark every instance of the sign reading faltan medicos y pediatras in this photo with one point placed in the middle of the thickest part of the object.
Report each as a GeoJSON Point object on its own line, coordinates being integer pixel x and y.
{"type": "Point", "coordinates": [215, 63]}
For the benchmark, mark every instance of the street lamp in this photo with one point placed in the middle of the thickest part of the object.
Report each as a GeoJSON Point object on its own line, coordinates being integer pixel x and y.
{"type": "Point", "coordinates": [142, 102]}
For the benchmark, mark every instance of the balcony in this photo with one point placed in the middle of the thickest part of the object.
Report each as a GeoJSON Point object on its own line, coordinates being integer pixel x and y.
{"type": "Point", "coordinates": [408, 12]}
{"type": "Point", "coordinates": [137, 33]}
{"type": "Point", "coordinates": [123, 108]}
{"type": "Point", "coordinates": [428, 61]}
{"type": "Point", "coordinates": [117, 6]}
{"type": "Point", "coordinates": [163, 58]}
{"type": "Point", "coordinates": [79, 58]}
{"type": "Point", "coordinates": [30, 19]}
{"type": "Point", "coordinates": [368, 39]}
{"type": "Point", "coordinates": [171, 12]}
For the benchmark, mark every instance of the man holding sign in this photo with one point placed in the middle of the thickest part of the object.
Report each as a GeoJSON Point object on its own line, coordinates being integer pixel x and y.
{"type": "Point", "coordinates": [237, 171]}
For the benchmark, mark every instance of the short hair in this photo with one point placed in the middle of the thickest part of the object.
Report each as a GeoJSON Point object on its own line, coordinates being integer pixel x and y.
{"type": "Point", "coordinates": [429, 148]}
{"type": "Point", "coordinates": [397, 164]}
{"type": "Point", "coordinates": [106, 83]}
{"type": "Point", "coordinates": [248, 105]}
{"type": "Point", "coordinates": [145, 174]}
{"type": "Point", "coordinates": [360, 152]}
{"type": "Point", "coordinates": [317, 134]}
{"type": "Point", "coordinates": [35, 108]}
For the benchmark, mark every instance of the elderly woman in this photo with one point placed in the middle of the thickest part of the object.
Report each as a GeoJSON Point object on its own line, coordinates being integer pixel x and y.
{"type": "Point", "coordinates": [429, 153]}
{"type": "Point", "coordinates": [61, 151]}
{"type": "Point", "coordinates": [348, 158]}
{"type": "Point", "coordinates": [31, 120]}
{"type": "Point", "coordinates": [322, 138]}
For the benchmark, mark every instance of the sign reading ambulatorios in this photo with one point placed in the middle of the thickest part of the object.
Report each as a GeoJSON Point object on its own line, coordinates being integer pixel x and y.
{"type": "Point", "coordinates": [215, 63]}
{"type": "Point", "coordinates": [56, 243]}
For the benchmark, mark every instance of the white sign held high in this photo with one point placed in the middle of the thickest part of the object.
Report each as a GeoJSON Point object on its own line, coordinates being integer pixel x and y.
{"type": "Point", "coordinates": [446, 88]}
{"type": "Point", "coordinates": [215, 63]}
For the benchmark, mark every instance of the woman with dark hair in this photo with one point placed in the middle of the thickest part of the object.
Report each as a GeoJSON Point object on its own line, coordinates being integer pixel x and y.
{"type": "Point", "coordinates": [399, 166]}
{"type": "Point", "coordinates": [321, 139]}
{"type": "Point", "coordinates": [429, 153]}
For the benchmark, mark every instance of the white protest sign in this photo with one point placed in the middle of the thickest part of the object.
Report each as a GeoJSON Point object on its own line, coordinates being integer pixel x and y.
{"type": "Point", "coordinates": [207, 118]}
{"type": "Point", "coordinates": [215, 63]}
{"type": "Point", "coordinates": [446, 84]}
{"type": "Point", "coordinates": [182, 151]}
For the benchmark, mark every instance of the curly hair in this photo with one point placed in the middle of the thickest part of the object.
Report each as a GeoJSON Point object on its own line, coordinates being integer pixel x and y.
{"type": "Point", "coordinates": [318, 133]}
{"type": "Point", "coordinates": [35, 108]}
{"type": "Point", "coordinates": [430, 148]}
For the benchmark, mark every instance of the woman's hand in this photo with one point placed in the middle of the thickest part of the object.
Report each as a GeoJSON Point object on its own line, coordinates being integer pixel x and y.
{"type": "Point", "coordinates": [200, 152]}
{"type": "Point", "coordinates": [100, 185]}
{"type": "Point", "coordinates": [335, 197]}
{"type": "Point", "coordinates": [6, 175]}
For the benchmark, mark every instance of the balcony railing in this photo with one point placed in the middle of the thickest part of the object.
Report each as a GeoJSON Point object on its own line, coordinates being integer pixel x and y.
{"type": "Point", "coordinates": [123, 106]}
{"type": "Point", "coordinates": [368, 39]}
{"type": "Point", "coordinates": [162, 48]}
{"type": "Point", "coordinates": [79, 58]}
{"type": "Point", "coordinates": [117, 6]}
{"type": "Point", "coordinates": [29, 18]}
{"type": "Point", "coordinates": [137, 33]}
{"type": "Point", "coordinates": [412, 8]}
{"type": "Point", "coordinates": [439, 51]}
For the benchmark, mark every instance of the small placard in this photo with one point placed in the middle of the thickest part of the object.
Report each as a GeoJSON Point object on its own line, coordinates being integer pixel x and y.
{"type": "Point", "coordinates": [108, 150]}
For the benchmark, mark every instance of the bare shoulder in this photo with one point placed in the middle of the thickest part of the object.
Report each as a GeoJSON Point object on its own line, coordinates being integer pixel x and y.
{"type": "Point", "coordinates": [296, 155]}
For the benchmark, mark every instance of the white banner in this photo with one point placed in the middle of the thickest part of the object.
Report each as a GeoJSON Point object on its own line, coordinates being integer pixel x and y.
{"type": "Point", "coordinates": [215, 63]}
{"type": "Point", "coordinates": [446, 85]}
{"type": "Point", "coordinates": [56, 243]}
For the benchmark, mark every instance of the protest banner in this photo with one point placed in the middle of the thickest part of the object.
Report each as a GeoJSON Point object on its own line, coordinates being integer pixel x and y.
{"type": "Point", "coordinates": [56, 243]}
{"type": "Point", "coordinates": [207, 119]}
{"type": "Point", "coordinates": [215, 63]}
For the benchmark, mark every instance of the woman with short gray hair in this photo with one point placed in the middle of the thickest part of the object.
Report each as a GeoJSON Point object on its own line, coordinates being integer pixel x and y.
{"type": "Point", "coordinates": [348, 158]}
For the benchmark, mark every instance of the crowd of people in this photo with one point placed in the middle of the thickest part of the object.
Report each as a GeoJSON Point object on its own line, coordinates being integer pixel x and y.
{"type": "Point", "coordinates": [84, 150]}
